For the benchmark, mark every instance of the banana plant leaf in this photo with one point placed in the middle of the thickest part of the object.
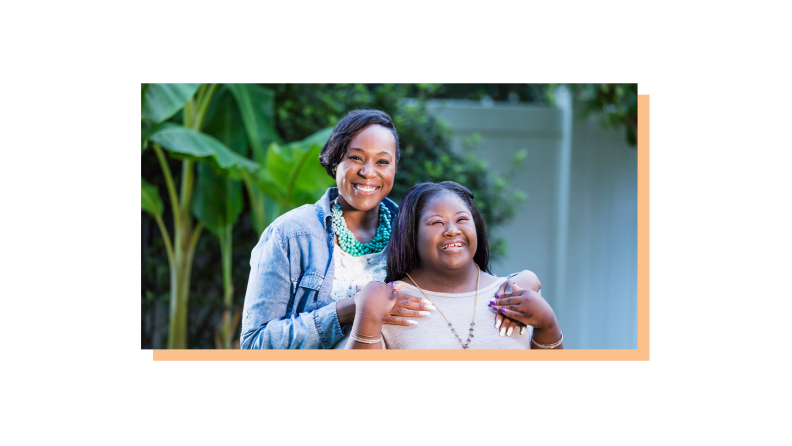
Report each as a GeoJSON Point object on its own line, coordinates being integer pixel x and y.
{"type": "Point", "coordinates": [292, 174]}
{"type": "Point", "coordinates": [161, 101]}
{"type": "Point", "coordinates": [257, 108]}
{"type": "Point", "coordinates": [218, 199]}
{"type": "Point", "coordinates": [224, 122]}
{"type": "Point", "coordinates": [189, 143]}
{"type": "Point", "coordinates": [150, 198]}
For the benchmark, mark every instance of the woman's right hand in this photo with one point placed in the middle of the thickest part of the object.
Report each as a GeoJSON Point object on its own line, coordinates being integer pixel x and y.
{"type": "Point", "coordinates": [405, 309]}
{"type": "Point", "coordinates": [407, 306]}
{"type": "Point", "coordinates": [375, 301]}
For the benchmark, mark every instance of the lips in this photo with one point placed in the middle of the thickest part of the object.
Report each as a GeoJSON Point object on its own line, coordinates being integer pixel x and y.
{"type": "Point", "coordinates": [365, 188]}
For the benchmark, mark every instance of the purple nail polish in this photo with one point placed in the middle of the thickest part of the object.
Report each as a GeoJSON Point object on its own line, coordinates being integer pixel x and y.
{"type": "Point", "coordinates": [503, 310]}
{"type": "Point", "coordinates": [497, 296]}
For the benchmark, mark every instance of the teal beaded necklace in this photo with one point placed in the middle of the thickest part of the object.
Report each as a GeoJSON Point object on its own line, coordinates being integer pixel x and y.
{"type": "Point", "coordinates": [347, 241]}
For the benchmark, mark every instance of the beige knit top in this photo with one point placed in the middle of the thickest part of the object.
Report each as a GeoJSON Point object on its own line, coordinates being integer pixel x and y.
{"type": "Point", "coordinates": [433, 332]}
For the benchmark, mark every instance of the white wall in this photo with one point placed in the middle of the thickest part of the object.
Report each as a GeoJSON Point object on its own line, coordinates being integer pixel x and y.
{"type": "Point", "coordinates": [579, 177]}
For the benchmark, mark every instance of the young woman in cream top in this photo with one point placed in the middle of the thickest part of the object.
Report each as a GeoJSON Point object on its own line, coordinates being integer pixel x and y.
{"type": "Point", "coordinates": [439, 252]}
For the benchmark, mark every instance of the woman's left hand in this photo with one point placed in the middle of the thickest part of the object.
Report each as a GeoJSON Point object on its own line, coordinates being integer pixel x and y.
{"type": "Point", "coordinates": [503, 323]}
{"type": "Point", "coordinates": [527, 307]}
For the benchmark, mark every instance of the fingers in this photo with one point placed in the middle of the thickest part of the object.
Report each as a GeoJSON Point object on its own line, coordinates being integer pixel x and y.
{"type": "Point", "coordinates": [498, 320]}
{"type": "Point", "coordinates": [410, 298]}
{"type": "Point", "coordinates": [413, 303]}
{"type": "Point", "coordinates": [508, 327]}
{"type": "Point", "coordinates": [500, 301]}
{"type": "Point", "coordinates": [392, 320]}
{"type": "Point", "coordinates": [505, 299]}
{"type": "Point", "coordinates": [404, 312]}
{"type": "Point", "coordinates": [512, 314]}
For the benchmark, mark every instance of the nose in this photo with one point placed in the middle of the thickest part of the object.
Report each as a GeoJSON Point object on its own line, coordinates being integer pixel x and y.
{"type": "Point", "coordinates": [452, 230]}
{"type": "Point", "coordinates": [367, 171]}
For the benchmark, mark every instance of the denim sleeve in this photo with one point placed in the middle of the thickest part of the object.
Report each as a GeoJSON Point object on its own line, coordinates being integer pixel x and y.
{"type": "Point", "coordinates": [264, 322]}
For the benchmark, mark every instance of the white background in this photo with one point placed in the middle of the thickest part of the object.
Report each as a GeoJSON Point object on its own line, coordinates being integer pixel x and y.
{"type": "Point", "coordinates": [718, 76]}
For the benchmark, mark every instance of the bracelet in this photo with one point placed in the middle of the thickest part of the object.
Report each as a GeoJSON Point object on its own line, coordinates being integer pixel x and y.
{"type": "Point", "coordinates": [554, 345]}
{"type": "Point", "coordinates": [366, 336]}
{"type": "Point", "coordinates": [357, 338]}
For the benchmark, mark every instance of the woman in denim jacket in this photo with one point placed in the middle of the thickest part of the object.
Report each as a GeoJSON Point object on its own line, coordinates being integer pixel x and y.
{"type": "Point", "coordinates": [310, 262]}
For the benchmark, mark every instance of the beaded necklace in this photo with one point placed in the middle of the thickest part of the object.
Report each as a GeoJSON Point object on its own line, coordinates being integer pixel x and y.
{"type": "Point", "coordinates": [465, 345]}
{"type": "Point", "coordinates": [346, 240]}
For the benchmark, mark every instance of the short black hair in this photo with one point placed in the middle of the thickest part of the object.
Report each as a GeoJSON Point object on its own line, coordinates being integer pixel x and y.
{"type": "Point", "coordinates": [403, 247]}
{"type": "Point", "coordinates": [350, 125]}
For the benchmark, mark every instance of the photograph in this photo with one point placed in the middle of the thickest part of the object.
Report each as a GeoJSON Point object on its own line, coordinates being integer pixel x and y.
{"type": "Point", "coordinates": [389, 216]}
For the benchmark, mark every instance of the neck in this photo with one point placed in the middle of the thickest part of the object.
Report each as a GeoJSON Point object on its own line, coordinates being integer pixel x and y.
{"type": "Point", "coordinates": [363, 224]}
{"type": "Point", "coordinates": [461, 280]}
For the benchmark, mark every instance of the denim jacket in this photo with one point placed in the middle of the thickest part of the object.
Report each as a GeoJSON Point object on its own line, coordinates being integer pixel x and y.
{"type": "Point", "coordinates": [288, 303]}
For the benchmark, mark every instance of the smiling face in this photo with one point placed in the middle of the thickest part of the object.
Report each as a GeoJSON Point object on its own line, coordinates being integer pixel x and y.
{"type": "Point", "coordinates": [365, 174]}
{"type": "Point", "coordinates": [446, 233]}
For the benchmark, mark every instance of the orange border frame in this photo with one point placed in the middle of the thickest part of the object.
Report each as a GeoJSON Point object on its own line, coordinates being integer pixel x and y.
{"type": "Point", "coordinates": [639, 354]}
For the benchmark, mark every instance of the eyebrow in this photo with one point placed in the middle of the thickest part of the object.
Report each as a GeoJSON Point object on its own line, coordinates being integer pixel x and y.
{"type": "Point", "coordinates": [361, 150]}
{"type": "Point", "coordinates": [438, 215]}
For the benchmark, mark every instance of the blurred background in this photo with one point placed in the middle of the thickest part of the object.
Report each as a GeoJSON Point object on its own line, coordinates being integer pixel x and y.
{"type": "Point", "coordinates": [553, 168]}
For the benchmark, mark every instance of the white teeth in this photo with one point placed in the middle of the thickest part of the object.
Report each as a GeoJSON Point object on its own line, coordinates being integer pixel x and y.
{"type": "Point", "coordinates": [452, 245]}
{"type": "Point", "coordinates": [365, 188]}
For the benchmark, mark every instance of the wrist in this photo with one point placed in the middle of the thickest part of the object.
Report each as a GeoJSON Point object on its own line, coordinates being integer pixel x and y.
{"type": "Point", "coordinates": [547, 335]}
{"type": "Point", "coordinates": [365, 325]}
{"type": "Point", "coordinates": [345, 310]}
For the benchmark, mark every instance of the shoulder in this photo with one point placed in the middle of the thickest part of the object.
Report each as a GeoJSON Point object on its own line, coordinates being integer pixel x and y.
{"type": "Point", "coordinates": [305, 220]}
{"type": "Point", "coordinates": [526, 280]}
{"type": "Point", "coordinates": [392, 207]}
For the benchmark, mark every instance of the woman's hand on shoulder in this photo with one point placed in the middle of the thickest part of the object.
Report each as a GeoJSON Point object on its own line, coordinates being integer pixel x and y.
{"type": "Point", "coordinates": [527, 280]}
{"type": "Point", "coordinates": [375, 300]}
{"type": "Point", "coordinates": [407, 306]}
{"type": "Point", "coordinates": [527, 307]}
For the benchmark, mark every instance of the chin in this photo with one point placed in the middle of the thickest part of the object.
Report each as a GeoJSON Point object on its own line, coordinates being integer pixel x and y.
{"type": "Point", "coordinates": [363, 203]}
{"type": "Point", "coordinates": [456, 265]}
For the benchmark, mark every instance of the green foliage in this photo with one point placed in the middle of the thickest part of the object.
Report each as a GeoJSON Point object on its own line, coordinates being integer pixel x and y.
{"type": "Point", "coordinates": [256, 108]}
{"type": "Point", "coordinates": [513, 93]}
{"type": "Point", "coordinates": [188, 143]}
{"type": "Point", "coordinates": [292, 175]}
{"type": "Point", "coordinates": [161, 101]}
{"type": "Point", "coordinates": [150, 199]}
{"type": "Point", "coordinates": [217, 202]}
{"type": "Point", "coordinates": [615, 104]}
{"type": "Point", "coordinates": [224, 122]}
